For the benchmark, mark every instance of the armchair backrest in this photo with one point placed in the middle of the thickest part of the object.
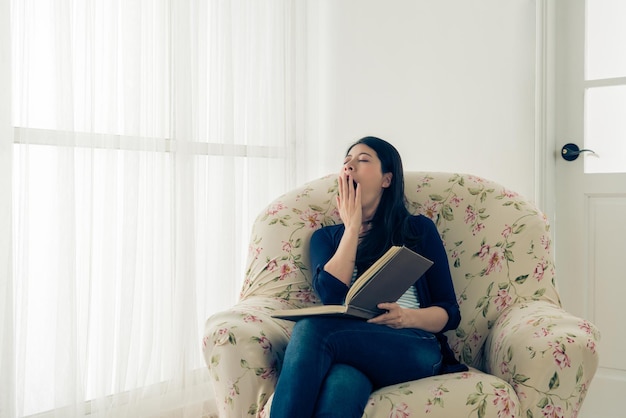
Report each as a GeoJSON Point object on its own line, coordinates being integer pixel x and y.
{"type": "Point", "coordinates": [498, 245]}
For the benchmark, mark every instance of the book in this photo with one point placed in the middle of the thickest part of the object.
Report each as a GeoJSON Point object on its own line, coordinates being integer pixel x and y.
{"type": "Point", "coordinates": [384, 281]}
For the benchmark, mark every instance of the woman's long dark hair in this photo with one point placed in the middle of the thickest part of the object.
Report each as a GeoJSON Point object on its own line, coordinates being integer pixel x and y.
{"type": "Point", "coordinates": [390, 225]}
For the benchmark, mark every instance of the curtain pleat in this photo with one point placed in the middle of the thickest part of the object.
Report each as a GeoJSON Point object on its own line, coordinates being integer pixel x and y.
{"type": "Point", "coordinates": [8, 383]}
{"type": "Point", "coordinates": [145, 137]}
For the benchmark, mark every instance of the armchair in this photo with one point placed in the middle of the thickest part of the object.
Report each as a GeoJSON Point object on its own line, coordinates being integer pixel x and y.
{"type": "Point", "coordinates": [526, 355]}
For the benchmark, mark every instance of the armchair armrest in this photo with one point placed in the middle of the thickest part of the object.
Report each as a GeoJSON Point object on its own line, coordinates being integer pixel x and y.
{"type": "Point", "coordinates": [548, 355]}
{"type": "Point", "coordinates": [243, 348]}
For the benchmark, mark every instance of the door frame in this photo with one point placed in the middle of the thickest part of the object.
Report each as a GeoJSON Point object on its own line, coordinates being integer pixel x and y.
{"type": "Point", "coordinates": [545, 113]}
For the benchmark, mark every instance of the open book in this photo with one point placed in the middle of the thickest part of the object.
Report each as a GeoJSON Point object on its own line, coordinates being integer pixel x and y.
{"type": "Point", "coordinates": [385, 281]}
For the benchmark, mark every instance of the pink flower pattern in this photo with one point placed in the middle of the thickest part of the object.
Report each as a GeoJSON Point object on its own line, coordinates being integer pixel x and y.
{"type": "Point", "coordinates": [509, 194]}
{"type": "Point", "coordinates": [400, 410]}
{"type": "Point", "coordinates": [275, 208]}
{"type": "Point", "coordinates": [287, 247]}
{"type": "Point", "coordinates": [504, 368]}
{"type": "Point", "coordinates": [430, 209]}
{"type": "Point", "coordinates": [551, 411]}
{"type": "Point", "coordinates": [484, 251]}
{"type": "Point", "coordinates": [558, 353]}
{"type": "Point", "coordinates": [545, 242]}
{"type": "Point", "coordinates": [479, 226]}
{"type": "Point", "coordinates": [265, 344]}
{"type": "Point", "coordinates": [543, 332]}
{"type": "Point", "coordinates": [586, 327]}
{"type": "Point", "coordinates": [540, 270]}
{"type": "Point", "coordinates": [287, 270]}
{"type": "Point", "coordinates": [249, 318]}
{"type": "Point", "coordinates": [306, 296]}
{"type": "Point", "coordinates": [254, 251]}
{"type": "Point", "coordinates": [470, 215]}
{"type": "Point", "coordinates": [456, 201]}
{"type": "Point", "coordinates": [503, 300]}
{"type": "Point", "coordinates": [503, 403]}
{"type": "Point", "coordinates": [272, 265]}
{"type": "Point", "coordinates": [311, 218]}
{"type": "Point", "coordinates": [591, 345]}
{"type": "Point", "coordinates": [496, 260]}
{"type": "Point", "coordinates": [269, 372]}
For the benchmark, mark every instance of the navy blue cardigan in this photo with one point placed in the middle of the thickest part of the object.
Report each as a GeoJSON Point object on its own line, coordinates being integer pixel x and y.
{"type": "Point", "coordinates": [434, 289]}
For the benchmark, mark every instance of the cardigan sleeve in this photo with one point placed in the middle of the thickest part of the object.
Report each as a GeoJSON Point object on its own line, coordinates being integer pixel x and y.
{"type": "Point", "coordinates": [324, 243]}
{"type": "Point", "coordinates": [436, 287]}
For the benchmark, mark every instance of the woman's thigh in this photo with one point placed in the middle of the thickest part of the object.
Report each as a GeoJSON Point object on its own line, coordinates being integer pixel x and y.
{"type": "Point", "coordinates": [385, 355]}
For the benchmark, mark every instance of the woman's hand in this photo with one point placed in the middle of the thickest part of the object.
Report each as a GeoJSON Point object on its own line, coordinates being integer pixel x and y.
{"type": "Point", "coordinates": [349, 202]}
{"type": "Point", "coordinates": [431, 319]}
{"type": "Point", "coordinates": [341, 264]}
{"type": "Point", "coordinates": [396, 316]}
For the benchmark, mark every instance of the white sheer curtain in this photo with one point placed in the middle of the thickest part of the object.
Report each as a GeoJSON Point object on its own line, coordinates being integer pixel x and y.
{"type": "Point", "coordinates": [7, 349]}
{"type": "Point", "coordinates": [146, 135]}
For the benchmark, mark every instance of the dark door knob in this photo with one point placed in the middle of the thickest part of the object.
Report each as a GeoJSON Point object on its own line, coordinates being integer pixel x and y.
{"type": "Point", "coordinates": [570, 152]}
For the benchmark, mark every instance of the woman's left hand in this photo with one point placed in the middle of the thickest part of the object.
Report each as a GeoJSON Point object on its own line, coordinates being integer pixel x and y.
{"type": "Point", "coordinates": [395, 317]}
{"type": "Point", "coordinates": [431, 319]}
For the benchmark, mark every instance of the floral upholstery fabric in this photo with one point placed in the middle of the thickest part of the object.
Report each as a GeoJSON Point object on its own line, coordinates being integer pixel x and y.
{"type": "Point", "coordinates": [527, 356]}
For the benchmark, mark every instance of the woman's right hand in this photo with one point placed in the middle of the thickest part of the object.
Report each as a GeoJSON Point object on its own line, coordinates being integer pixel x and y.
{"type": "Point", "coordinates": [341, 264]}
{"type": "Point", "coordinates": [349, 201]}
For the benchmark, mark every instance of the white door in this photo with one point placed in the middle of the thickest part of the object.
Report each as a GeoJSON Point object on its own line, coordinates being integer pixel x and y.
{"type": "Point", "coordinates": [590, 220]}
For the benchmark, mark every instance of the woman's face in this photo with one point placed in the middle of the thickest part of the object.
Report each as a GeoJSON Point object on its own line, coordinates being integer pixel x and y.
{"type": "Point", "coordinates": [363, 166]}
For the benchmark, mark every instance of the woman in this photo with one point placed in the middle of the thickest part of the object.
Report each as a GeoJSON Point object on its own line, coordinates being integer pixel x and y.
{"type": "Point", "coordinates": [331, 365]}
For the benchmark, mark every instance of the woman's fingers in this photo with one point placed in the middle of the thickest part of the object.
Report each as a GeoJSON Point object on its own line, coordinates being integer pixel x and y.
{"type": "Point", "coordinates": [349, 200]}
{"type": "Point", "coordinates": [393, 317]}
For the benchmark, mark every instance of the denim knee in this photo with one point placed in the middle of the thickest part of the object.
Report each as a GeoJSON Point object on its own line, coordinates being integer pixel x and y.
{"type": "Point", "coordinates": [344, 393]}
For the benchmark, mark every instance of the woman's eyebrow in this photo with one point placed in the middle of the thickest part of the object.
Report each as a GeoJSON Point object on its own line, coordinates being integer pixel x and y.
{"type": "Point", "coordinates": [359, 154]}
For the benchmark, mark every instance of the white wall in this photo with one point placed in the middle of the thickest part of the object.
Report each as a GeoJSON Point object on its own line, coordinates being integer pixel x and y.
{"type": "Point", "coordinates": [451, 83]}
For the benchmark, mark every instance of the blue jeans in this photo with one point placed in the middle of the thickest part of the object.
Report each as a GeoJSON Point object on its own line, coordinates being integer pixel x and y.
{"type": "Point", "coordinates": [331, 365]}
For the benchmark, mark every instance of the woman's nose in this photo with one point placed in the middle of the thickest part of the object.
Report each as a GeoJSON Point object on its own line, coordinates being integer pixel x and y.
{"type": "Point", "coordinates": [348, 167]}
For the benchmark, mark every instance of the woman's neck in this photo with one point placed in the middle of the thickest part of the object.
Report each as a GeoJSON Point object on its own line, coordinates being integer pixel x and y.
{"type": "Point", "coordinates": [365, 228]}
{"type": "Point", "coordinates": [368, 215]}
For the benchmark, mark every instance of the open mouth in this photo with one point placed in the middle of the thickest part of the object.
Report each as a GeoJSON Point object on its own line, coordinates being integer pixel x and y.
{"type": "Point", "coordinates": [354, 182]}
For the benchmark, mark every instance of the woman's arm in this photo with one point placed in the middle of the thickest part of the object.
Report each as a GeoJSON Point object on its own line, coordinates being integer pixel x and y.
{"type": "Point", "coordinates": [436, 289]}
{"type": "Point", "coordinates": [323, 246]}
{"type": "Point", "coordinates": [341, 264]}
